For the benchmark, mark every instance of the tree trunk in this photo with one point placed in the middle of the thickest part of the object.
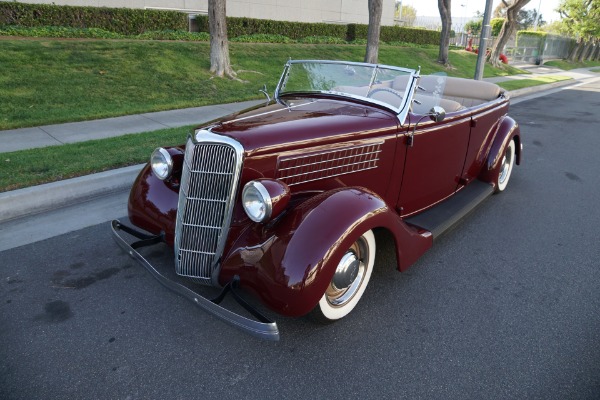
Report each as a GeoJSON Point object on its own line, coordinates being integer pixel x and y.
{"type": "Point", "coordinates": [596, 52]}
{"type": "Point", "coordinates": [592, 53]}
{"type": "Point", "coordinates": [508, 28]}
{"type": "Point", "coordinates": [576, 50]}
{"type": "Point", "coordinates": [220, 65]}
{"type": "Point", "coordinates": [375, 9]}
{"type": "Point", "coordinates": [586, 51]}
{"type": "Point", "coordinates": [445, 15]}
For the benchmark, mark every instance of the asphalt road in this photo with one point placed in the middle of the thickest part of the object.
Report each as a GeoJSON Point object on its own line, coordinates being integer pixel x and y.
{"type": "Point", "coordinates": [506, 306]}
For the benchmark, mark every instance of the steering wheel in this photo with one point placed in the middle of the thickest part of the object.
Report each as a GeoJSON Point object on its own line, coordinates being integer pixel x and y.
{"type": "Point", "coordinates": [392, 91]}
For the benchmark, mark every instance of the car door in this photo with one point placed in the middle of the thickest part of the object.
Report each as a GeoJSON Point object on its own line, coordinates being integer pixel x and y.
{"type": "Point", "coordinates": [434, 162]}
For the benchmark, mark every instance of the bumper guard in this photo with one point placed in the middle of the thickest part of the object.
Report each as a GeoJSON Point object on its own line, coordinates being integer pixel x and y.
{"type": "Point", "coordinates": [264, 328]}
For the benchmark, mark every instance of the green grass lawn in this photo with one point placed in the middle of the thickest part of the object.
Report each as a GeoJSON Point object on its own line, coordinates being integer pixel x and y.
{"type": "Point", "coordinates": [48, 164]}
{"type": "Point", "coordinates": [523, 83]}
{"type": "Point", "coordinates": [568, 65]}
{"type": "Point", "coordinates": [47, 81]}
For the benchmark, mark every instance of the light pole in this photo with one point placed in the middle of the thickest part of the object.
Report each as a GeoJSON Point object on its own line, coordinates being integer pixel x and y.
{"type": "Point", "coordinates": [537, 16]}
{"type": "Point", "coordinates": [400, 12]}
{"type": "Point", "coordinates": [485, 32]}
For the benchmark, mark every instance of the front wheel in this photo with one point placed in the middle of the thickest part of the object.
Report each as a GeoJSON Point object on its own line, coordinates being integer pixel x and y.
{"type": "Point", "coordinates": [506, 167]}
{"type": "Point", "coordinates": [349, 281]}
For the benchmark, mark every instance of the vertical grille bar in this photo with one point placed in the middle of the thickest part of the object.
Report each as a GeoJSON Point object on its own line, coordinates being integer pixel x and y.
{"type": "Point", "coordinates": [209, 180]}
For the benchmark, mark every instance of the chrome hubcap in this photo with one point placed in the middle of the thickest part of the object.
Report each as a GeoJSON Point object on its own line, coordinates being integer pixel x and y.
{"type": "Point", "coordinates": [348, 275]}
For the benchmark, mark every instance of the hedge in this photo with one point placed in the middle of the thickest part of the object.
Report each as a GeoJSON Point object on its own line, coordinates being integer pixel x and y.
{"type": "Point", "coordinates": [136, 21]}
{"type": "Point", "coordinates": [120, 20]}
{"type": "Point", "coordinates": [298, 30]}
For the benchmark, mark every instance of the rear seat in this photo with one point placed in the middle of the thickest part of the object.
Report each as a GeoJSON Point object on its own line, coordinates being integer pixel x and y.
{"type": "Point", "coordinates": [427, 102]}
{"type": "Point", "coordinates": [470, 92]}
{"type": "Point", "coordinates": [452, 94]}
{"type": "Point", "coordinates": [456, 93]}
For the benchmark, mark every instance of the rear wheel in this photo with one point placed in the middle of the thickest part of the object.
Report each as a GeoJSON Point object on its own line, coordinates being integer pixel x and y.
{"type": "Point", "coordinates": [506, 167]}
{"type": "Point", "coordinates": [349, 281]}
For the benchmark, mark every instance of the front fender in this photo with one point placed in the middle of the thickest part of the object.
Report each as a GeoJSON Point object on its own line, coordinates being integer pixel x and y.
{"type": "Point", "coordinates": [293, 261]}
{"type": "Point", "coordinates": [152, 204]}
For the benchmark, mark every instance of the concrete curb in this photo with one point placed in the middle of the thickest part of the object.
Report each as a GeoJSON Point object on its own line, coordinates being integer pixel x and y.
{"type": "Point", "coordinates": [50, 196]}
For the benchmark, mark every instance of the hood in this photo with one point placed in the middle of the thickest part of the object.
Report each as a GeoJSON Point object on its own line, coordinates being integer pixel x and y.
{"type": "Point", "coordinates": [278, 127]}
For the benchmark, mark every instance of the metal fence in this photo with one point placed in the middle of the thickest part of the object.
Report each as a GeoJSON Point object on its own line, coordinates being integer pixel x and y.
{"type": "Point", "coordinates": [537, 49]}
{"type": "Point", "coordinates": [527, 48]}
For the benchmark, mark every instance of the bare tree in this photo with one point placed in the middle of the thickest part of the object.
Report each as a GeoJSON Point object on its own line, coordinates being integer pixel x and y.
{"type": "Point", "coordinates": [375, 9]}
{"type": "Point", "coordinates": [445, 15]}
{"type": "Point", "coordinates": [220, 64]}
{"type": "Point", "coordinates": [508, 28]}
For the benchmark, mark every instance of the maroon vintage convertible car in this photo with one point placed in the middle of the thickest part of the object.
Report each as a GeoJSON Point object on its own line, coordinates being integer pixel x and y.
{"type": "Point", "coordinates": [281, 200]}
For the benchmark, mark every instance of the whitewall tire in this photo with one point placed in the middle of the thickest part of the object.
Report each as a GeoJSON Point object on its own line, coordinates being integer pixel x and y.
{"type": "Point", "coordinates": [349, 280]}
{"type": "Point", "coordinates": [506, 167]}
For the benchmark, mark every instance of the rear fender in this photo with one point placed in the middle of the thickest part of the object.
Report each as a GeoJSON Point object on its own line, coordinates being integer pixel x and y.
{"type": "Point", "coordinates": [508, 129]}
{"type": "Point", "coordinates": [294, 260]}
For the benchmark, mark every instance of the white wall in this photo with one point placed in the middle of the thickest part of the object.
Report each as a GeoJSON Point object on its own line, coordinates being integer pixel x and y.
{"type": "Point", "coordinates": [333, 11]}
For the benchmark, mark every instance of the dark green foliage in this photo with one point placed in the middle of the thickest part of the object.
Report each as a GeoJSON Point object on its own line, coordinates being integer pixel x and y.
{"type": "Point", "coordinates": [531, 39]}
{"type": "Point", "coordinates": [261, 38]}
{"type": "Point", "coordinates": [59, 32]}
{"type": "Point", "coordinates": [474, 26]}
{"type": "Point", "coordinates": [496, 24]}
{"type": "Point", "coordinates": [97, 33]}
{"type": "Point", "coordinates": [322, 40]}
{"type": "Point", "coordinates": [174, 35]}
{"type": "Point", "coordinates": [120, 20]}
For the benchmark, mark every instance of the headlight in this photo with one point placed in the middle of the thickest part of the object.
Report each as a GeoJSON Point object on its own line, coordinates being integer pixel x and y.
{"type": "Point", "coordinates": [256, 201]}
{"type": "Point", "coordinates": [162, 163]}
{"type": "Point", "coordinates": [265, 199]}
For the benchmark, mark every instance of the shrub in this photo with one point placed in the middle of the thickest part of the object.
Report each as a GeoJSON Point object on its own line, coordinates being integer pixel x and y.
{"type": "Point", "coordinates": [362, 42]}
{"type": "Point", "coordinates": [261, 38]}
{"type": "Point", "coordinates": [496, 25]}
{"type": "Point", "coordinates": [297, 30]}
{"type": "Point", "coordinates": [59, 32]}
{"type": "Point", "coordinates": [120, 20]}
{"type": "Point", "coordinates": [322, 40]}
{"type": "Point", "coordinates": [175, 35]}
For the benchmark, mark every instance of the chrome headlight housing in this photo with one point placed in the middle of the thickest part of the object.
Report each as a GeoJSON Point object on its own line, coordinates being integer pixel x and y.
{"type": "Point", "coordinates": [265, 199]}
{"type": "Point", "coordinates": [257, 201]}
{"type": "Point", "coordinates": [162, 163]}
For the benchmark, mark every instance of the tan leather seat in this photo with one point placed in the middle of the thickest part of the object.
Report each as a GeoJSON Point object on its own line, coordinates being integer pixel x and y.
{"type": "Point", "coordinates": [470, 92]}
{"type": "Point", "coordinates": [427, 102]}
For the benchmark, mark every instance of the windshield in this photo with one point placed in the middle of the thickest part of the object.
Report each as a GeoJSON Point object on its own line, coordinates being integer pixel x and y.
{"type": "Point", "coordinates": [389, 86]}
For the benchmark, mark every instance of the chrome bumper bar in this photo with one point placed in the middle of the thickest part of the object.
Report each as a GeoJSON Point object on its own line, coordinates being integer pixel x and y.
{"type": "Point", "coordinates": [263, 329]}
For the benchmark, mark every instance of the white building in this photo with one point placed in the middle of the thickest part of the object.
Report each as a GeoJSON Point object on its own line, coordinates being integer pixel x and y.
{"type": "Point", "coordinates": [330, 11]}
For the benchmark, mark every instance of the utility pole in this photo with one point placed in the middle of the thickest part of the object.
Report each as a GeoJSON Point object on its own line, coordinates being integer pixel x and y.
{"type": "Point", "coordinates": [400, 12]}
{"type": "Point", "coordinates": [537, 17]}
{"type": "Point", "coordinates": [485, 32]}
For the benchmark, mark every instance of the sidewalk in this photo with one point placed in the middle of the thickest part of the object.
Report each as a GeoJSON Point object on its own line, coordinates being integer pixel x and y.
{"type": "Point", "coordinates": [22, 202]}
{"type": "Point", "coordinates": [541, 70]}
{"type": "Point", "coordinates": [50, 135]}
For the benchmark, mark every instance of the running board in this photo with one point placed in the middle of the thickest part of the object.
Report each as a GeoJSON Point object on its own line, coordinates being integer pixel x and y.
{"type": "Point", "coordinates": [448, 213]}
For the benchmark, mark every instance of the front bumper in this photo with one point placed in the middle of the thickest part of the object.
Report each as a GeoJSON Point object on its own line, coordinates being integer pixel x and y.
{"type": "Point", "coordinates": [263, 328]}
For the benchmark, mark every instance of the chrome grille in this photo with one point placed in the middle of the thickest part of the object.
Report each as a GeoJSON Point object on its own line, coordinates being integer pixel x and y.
{"type": "Point", "coordinates": [209, 180]}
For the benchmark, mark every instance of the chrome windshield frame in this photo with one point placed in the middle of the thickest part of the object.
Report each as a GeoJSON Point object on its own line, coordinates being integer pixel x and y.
{"type": "Point", "coordinates": [401, 111]}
